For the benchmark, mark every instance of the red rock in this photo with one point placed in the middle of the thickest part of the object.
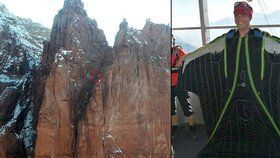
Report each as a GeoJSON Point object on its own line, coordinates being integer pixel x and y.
{"type": "Point", "coordinates": [54, 132]}
{"type": "Point", "coordinates": [123, 114]}
{"type": "Point", "coordinates": [76, 47]}
{"type": "Point", "coordinates": [129, 111]}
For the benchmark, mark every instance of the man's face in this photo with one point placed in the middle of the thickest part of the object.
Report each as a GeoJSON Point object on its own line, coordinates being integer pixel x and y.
{"type": "Point", "coordinates": [242, 21]}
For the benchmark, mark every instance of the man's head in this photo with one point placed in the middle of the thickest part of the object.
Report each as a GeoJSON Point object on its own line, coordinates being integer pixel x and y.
{"type": "Point", "coordinates": [242, 15]}
{"type": "Point", "coordinates": [243, 8]}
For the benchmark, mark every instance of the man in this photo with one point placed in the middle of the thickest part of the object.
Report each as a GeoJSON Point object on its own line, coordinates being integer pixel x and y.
{"type": "Point", "coordinates": [177, 53]}
{"type": "Point", "coordinates": [237, 79]}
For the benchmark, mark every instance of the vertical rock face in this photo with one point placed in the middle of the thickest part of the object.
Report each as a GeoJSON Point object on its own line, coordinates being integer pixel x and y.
{"type": "Point", "coordinates": [139, 76]}
{"type": "Point", "coordinates": [127, 117]}
{"type": "Point", "coordinates": [20, 55]}
{"type": "Point", "coordinates": [75, 96]}
{"type": "Point", "coordinates": [77, 48]}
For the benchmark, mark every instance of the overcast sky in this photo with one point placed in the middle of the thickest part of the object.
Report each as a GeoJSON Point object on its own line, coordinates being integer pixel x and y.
{"type": "Point", "coordinates": [185, 13]}
{"type": "Point", "coordinates": [108, 13]}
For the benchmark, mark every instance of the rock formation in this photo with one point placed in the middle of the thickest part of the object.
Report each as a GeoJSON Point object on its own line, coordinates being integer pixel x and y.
{"type": "Point", "coordinates": [75, 96]}
{"type": "Point", "coordinates": [20, 55]}
{"type": "Point", "coordinates": [76, 48]}
{"type": "Point", "coordinates": [128, 114]}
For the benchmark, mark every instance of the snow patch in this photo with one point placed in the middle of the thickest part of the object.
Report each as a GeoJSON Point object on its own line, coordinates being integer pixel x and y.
{"type": "Point", "coordinates": [20, 37]}
{"type": "Point", "coordinates": [66, 52]}
{"type": "Point", "coordinates": [7, 79]}
{"type": "Point", "coordinates": [77, 41]}
{"type": "Point", "coordinates": [117, 150]}
{"type": "Point", "coordinates": [108, 136]}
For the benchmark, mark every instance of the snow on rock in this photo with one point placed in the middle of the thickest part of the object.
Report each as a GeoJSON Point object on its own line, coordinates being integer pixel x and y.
{"type": "Point", "coordinates": [16, 31]}
{"type": "Point", "coordinates": [21, 47]}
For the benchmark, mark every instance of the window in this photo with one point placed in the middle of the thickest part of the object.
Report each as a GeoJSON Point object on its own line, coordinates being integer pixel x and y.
{"type": "Point", "coordinates": [218, 15]}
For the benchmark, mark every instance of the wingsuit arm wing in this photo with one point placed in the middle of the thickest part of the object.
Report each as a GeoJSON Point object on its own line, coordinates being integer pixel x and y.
{"type": "Point", "coordinates": [271, 44]}
{"type": "Point", "coordinates": [186, 80]}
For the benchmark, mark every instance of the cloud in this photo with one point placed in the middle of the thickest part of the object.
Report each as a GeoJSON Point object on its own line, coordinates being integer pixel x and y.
{"type": "Point", "coordinates": [108, 13]}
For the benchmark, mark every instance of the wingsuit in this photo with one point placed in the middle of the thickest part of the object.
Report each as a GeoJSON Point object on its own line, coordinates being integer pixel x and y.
{"type": "Point", "coordinates": [238, 82]}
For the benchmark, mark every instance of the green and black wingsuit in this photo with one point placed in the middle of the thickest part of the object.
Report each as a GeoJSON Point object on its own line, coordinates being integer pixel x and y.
{"type": "Point", "coordinates": [238, 82]}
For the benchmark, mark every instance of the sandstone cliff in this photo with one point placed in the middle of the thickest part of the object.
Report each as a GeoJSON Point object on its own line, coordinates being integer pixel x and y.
{"type": "Point", "coordinates": [76, 48]}
{"type": "Point", "coordinates": [75, 96]}
{"type": "Point", "coordinates": [128, 114]}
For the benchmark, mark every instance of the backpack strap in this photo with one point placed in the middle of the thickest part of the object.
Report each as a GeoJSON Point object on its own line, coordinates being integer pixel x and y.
{"type": "Point", "coordinates": [231, 33]}
{"type": "Point", "coordinates": [257, 33]}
